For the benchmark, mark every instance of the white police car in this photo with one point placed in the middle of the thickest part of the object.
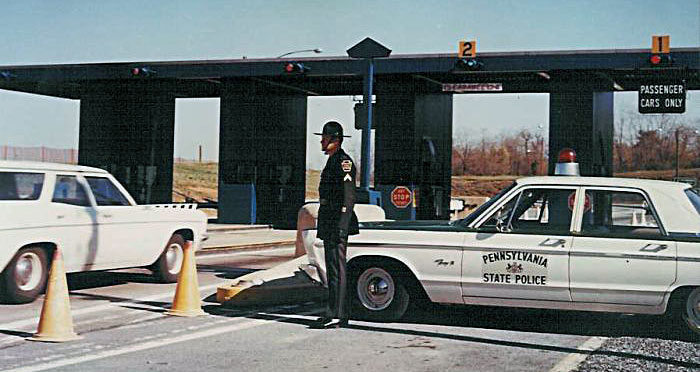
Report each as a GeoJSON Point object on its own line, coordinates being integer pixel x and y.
{"type": "Point", "coordinates": [94, 221]}
{"type": "Point", "coordinates": [555, 242]}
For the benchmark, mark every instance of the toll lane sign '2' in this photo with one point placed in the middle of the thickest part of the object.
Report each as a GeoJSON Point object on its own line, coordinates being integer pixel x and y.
{"type": "Point", "coordinates": [662, 97]}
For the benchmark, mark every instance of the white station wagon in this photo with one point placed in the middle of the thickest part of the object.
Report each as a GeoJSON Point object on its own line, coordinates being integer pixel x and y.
{"type": "Point", "coordinates": [91, 218]}
{"type": "Point", "coordinates": [556, 242]}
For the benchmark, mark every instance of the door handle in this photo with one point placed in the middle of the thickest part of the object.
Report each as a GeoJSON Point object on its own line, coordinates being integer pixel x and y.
{"type": "Point", "coordinates": [654, 248]}
{"type": "Point", "coordinates": [551, 242]}
{"type": "Point", "coordinates": [107, 215]}
{"type": "Point", "coordinates": [60, 216]}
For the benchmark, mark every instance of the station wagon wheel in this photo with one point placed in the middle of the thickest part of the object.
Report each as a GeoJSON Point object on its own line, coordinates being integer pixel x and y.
{"type": "Point", "coordinates": [692, 310]}
{"type": "Point", "coordinates": [168, 265]}
{"type": "Point", "coordinates": [25, 276]}
{"type": "Point", "coordinates": [379, 294]}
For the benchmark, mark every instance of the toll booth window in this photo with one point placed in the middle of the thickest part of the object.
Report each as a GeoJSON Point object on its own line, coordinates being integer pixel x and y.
{"type": "Point", "coordinates": [20, 186]}
{"type": "Point", "coordinates": [69, 191]}
{"type": "Point", "coordinates": [535, 210]}
{"type": "Point", "coordinates": [105, 192]}
{"type": "Point", "coordinates": [618, 213]}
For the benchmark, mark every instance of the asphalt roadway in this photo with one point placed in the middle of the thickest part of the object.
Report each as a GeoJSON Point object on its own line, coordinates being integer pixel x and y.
{"type": "Point", "coordinates": [121, 316]}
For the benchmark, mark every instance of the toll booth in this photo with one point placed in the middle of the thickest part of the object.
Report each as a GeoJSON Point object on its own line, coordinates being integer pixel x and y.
{"type": "Point", "coordinates": [413, 149]}
{"type": "Point", "coordinates": [262, 155]}
{"type": "Point", "coordinates": [128, 130]}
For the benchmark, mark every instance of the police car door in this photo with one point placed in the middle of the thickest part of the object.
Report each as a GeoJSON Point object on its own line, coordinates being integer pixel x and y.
{"type": "Point", "coordinates": [521, 248]}
{"type": "Point", "coordinates": [622, 254]}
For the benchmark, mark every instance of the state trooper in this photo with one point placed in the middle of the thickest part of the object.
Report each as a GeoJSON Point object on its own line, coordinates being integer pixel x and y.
{"type": "Point", "coordinates": [336, 220]}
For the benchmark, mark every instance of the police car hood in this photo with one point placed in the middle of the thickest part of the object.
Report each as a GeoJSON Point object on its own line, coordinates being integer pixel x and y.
{"type": "Point", "coordinates": [428, 225]}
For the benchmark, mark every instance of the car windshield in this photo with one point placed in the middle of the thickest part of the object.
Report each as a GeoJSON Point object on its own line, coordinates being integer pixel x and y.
{"type": "Point", "coordinates": [472, 216]}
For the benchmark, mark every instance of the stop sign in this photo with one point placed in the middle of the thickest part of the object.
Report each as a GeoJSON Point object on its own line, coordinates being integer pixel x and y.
{"type": "Point", "coordinates": [401, 196]}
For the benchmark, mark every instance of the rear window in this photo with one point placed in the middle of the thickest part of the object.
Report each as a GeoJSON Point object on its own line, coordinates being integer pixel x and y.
{"type": "Point", "coordinates": [20, 185]}
{"type": "Point", "coordinates": [694, 198]}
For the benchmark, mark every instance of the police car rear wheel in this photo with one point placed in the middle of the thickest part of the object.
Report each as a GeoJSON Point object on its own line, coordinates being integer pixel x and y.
{"type": "Point", "coordinates": [379, 294]}
{"type": "Point", "coordinates": [692, 310]}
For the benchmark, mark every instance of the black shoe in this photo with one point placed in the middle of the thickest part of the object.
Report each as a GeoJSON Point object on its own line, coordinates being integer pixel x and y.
{"type": "Point", "coordinates": [322, 322]}
{"type": "Point", "coordinates": [342, 323]}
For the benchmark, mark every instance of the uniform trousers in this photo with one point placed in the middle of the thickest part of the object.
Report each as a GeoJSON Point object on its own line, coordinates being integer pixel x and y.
{"type": "Point", "coordinates": [337, 278]}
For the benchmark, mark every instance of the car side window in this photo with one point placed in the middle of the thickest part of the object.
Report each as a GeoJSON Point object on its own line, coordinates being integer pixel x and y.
{"type": "Point", "coordinates": [20, 185]}
{"type": "Point", "coordinates": [69, 191]}
{"type": "Point", "coordinates": [618, 214]}
{"type": "Point", "coordinates": [105, 192]}
{"type": "Point", "coordinates": [535, 210]}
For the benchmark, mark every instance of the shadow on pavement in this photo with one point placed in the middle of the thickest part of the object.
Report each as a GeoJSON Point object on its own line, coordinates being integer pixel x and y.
{"type": "Point", "coordinates": [522, 320]}
{"type": "Point", "coordinates": [16, 333]}
{"type": "Point", "coordinates": [549, 321]}
{"type": "Point", "coordinates": [129, 301]}
{"type": "Point", "coordinates": [97, 279]}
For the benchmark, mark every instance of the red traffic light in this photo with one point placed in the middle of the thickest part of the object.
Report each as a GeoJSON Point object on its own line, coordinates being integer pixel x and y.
{"type": "Point", "coordinates": [295, 67]}
{"type": "Point", "coordinates": [660, 60]}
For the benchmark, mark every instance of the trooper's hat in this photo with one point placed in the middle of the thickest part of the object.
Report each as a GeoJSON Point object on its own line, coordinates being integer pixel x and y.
{"type": "Point", "coordinates": [333, 129]}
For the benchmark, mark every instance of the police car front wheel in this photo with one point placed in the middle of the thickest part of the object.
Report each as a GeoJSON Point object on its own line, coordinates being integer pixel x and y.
{"type": "Point", "coordinates": [379, 294]}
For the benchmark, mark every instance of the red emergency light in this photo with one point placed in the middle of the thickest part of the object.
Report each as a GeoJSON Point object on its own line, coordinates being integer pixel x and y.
{"type": "Point", "coordinates": [567, 155]}
{"type": "Point", "coordinates": [566, 163]}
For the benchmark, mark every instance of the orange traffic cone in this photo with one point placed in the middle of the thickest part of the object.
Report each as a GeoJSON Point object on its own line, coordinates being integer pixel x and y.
{"type": "Point", "coordinates": [187, 301]}
{"type": "Point", "coordinates": [56, 323]}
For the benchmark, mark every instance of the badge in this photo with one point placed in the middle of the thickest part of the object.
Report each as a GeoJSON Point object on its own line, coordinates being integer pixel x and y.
{"type": "Point", "coordinates": [347, 166]}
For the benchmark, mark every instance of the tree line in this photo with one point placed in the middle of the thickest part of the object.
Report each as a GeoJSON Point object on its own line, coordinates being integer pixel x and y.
{"type": "Point", "coordinates": [640, 142]}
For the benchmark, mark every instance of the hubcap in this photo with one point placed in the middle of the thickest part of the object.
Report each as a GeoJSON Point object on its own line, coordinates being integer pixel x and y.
{"type": "Point", "coordinates": [173, 258]}
{"type": "Point", "coordinates": [28, 271]}
{"type": "Point", "coordinates": [375, 289]}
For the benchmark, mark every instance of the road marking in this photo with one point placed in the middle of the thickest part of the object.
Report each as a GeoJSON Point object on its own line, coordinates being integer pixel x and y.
{"type": "Point", "coordinates": [151, 344]}
{"type": "Point", "coordinates": [571, 361]}
{"type": "Point", "coordinates": [89, 310]}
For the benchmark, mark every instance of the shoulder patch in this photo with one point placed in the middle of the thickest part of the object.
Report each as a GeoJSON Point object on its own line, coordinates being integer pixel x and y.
{"type": "Point", "coordinates": [347, 166]}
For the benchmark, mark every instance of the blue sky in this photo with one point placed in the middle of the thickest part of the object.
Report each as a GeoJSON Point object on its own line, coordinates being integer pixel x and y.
{"type": "Point", "coordinates": [51, 32]}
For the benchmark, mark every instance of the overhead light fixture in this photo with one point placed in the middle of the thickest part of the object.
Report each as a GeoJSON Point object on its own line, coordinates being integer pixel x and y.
{"type": "Point", "coordinates": [544, 75]}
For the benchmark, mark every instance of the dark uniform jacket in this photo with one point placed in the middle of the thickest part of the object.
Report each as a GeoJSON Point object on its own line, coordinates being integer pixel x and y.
{"type": "Point", "coordinates": [337, 197]}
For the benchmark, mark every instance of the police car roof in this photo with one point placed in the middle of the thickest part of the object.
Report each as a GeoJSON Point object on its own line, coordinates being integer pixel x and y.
{"type": "Point", "coordinates": [602, 181]}
{"type": "Point", "coordinates": [39, 166]}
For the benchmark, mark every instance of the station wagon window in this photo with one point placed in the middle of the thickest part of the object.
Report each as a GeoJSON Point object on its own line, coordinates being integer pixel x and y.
{"type": "Point", "coordinates": [105, 192]}
{"type": "Point", "coordinates": [535, 210]}
{"type": "Point", "coordinates": [69, 191]}
{"type": "Point", "coordinates": [20, 185]}
{"type": "Point", "coordinates": [618, 213]}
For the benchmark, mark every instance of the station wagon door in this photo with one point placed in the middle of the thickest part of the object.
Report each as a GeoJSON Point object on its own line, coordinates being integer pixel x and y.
{"type": "Point", "coordinates": [622, 254]}
{"type": "Point", "coordinates": [521, 250]}
{"type": "Point", "coordinates": [122, 235]}
{"type": "Point", "coordinates": [75, 222]}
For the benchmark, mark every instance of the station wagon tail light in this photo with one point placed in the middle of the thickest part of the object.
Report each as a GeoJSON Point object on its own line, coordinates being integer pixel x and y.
{"type": "Point", "coordinates": [566, 163]}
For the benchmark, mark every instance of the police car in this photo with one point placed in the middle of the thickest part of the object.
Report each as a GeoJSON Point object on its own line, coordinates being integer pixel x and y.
{"type": "Point", "coordinates": [91, 218]}
{"type": "Point", "coordinates": [555, 242]}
